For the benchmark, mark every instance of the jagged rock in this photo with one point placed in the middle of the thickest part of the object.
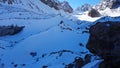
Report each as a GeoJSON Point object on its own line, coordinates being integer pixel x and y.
{"type": "Point", "coordinates": [93, 13]}
{"type": "Point", "coordinates": [83, 8]}
{"type": "Point", "coordinates": [66, 7]}
{"type": "Point", "coordinates": [104, 41]}
{"type": "Point", "coordinates": [112, 4]}
{"type": "Point", "coordinates": [52, 3]}
{"type": "Point", "coordinates": [58, 5]}
{"type": "Point", "coordinates": [10, 30]}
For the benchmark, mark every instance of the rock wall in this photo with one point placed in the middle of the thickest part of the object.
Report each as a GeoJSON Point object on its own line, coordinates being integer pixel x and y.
{"type": "Point", "coordinates": [104, 41]}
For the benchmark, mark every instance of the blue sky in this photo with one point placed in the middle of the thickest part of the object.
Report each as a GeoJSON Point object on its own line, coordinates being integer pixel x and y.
{"type": "Point", "coordinates": [75, 3]}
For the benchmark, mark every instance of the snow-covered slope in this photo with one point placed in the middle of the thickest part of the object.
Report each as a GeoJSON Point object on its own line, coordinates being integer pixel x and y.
{"type": "Point", "coordinates": [52, 46]}
{"type": "Point", "coordinates": [110, 12]}
{"type": "Point", "coordinates": [48, 39]}
{"type": "Point", "coordinates": [32, 5]}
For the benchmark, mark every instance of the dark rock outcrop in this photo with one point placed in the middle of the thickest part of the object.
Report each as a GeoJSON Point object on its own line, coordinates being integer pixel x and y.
{"type": "Point", "coordinates": [10, 30]}
{"type": "Point", "coordinates": [66, 7]}
{"type": "Point", "coordinates": [93, 13]}
{"type": "Point", "coordinates": [58, 5]}
{"type": "Point", "coordinates": [52, 3]}
{"type": "Point", "coordinates": [79, 62]}
{"type": "Point", "coordinates": [104, 41]}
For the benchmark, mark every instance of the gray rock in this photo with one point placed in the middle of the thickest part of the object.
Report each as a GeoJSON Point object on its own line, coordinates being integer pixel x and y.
{"type": "Point", "coordinates": [66, 7]}
{"type": "Point", "coordinates": [58, 5]}
{"type": "Point", "coordinates": [83, 8]}
{"type": "Point", "coordinates": [93, 13]}
{"type": "Point", "coordinates": [104, 41]}
{"type": "Point", "coordinates": [10, 30]}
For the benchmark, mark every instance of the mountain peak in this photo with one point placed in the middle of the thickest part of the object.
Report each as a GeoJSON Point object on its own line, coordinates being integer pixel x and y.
{"type": "Point", "coordinates": [58, 5]}
{"type": "Point", "coordinates": [35, 4]}
{"type": "Point", "coordinates": [112, 4]}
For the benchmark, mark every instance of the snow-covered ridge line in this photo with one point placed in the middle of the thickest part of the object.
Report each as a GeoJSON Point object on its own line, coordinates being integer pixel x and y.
{"type": "Point", "coordinates": [32, 5]}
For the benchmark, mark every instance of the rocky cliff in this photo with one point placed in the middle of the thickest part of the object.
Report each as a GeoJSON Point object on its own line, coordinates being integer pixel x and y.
{"type": "Point", "coordinates": [104, 41]}
{"type": "Point", "coordinates": [58, 5]}
{"type": "Point", "coordinates": [51, 3]}
{"type": "Point", "coordinates": [112, 4]}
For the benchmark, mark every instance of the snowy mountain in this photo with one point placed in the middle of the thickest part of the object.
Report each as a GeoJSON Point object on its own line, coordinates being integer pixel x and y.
{"type": "Point", "coordinates": [35, 5]}
{"type": "Point", "coordinates": [112, 4]}
{"type": "Point", "coordinates": [44, 39]}
{"type": "Point", "coordinates": [66, 7]}
{"type": "Point", "coordinates": [49, 39]}
{"type": "Point", "coordinates": [102, 8]}
{"type": "Point", "coordinates": [59, 5]}
{"type": "Point", "coordinates": [31, 5]}
{"type": "Point", "coordinates": [84, 8]}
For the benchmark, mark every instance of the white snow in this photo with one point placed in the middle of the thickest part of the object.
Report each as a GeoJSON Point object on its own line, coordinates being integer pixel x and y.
{"type": "Point", "coordinates": [56, 43]}
{"type": "Point", "coordinates": [106, 12]}
{"type": "Point", "coordinates": [84, 16]}
{"type": "Point", "coordinates": [110, 12]}
{"type": "Point", "coordinates": [42, 34]}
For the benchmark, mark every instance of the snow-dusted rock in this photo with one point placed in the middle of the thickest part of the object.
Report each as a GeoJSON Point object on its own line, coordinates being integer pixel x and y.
{"type": "Point", "coordinates": [35, 6]}
{"type": "Point", "coordinates": [83, 8]}
{"type": "Point", "coordinates": [66, 7]}
{"type": "Point", "coordinates": [112, 4]}
{"type": "Point", "coordinates": [59, 5]}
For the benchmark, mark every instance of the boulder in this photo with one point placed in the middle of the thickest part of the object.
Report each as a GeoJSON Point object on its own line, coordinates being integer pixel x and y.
{"type": "Point", "coordinates": [104, 41]}
{"type": "Point", "coordinates": [10, 30]}
{"type": "Point", "coordinates": [93, 13]}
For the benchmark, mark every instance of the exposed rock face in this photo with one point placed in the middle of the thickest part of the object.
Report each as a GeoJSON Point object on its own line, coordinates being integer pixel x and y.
{"type": "Point", "coordinates": [57, 5]}
{"type": "Point", "coordinates": [66, 7]}
{"type": "Point", "coordinates": [109, 4]}
{"type": "Point", "coordinates": [83, 8]}
{"type": "Point", "coordinates": [10, 30]}
{"type": "Point", "coordinates": [93, 13]}
{"type": "Point", "coordinates": [104, 41]}
{"type": "Point", "coordinates": [52, 3]}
